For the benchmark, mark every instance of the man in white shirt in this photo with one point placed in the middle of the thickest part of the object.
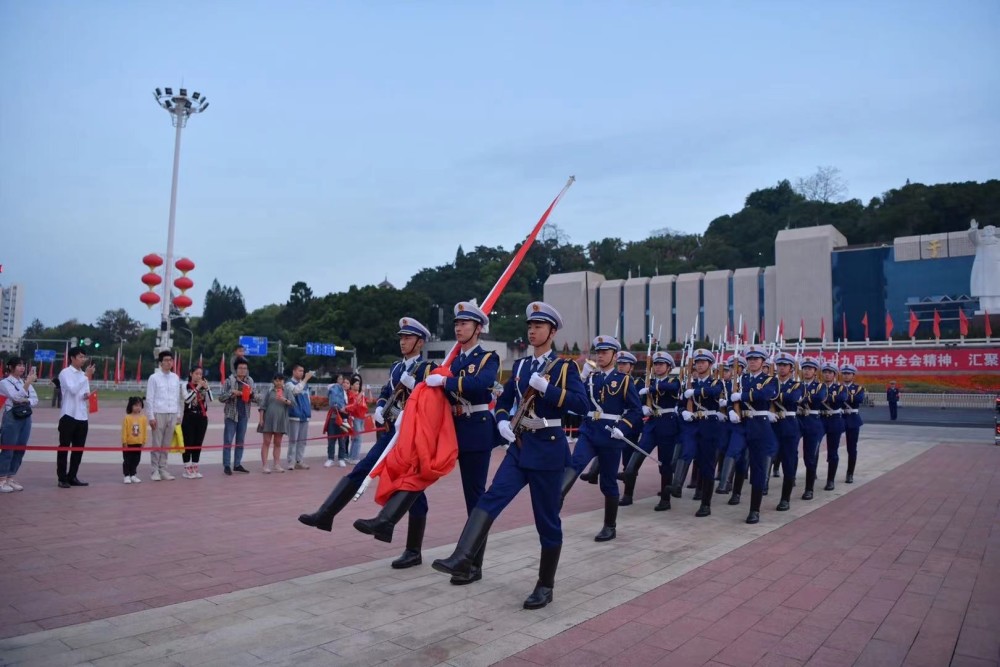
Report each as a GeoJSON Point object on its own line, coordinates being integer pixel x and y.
{"type": "Point", "coordinates": [163, 403]}
{"type": "Point", "coordinates": [73, 424]}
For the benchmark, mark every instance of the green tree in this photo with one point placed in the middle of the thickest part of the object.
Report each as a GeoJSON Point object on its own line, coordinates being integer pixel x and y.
{"type": "Point", "coordinates": [222, 304]}
{"type": "Point", "coordinates": [116, 324]}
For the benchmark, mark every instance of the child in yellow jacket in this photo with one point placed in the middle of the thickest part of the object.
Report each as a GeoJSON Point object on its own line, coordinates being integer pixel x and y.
{"type": "Point", "coordinates": [134, 429]}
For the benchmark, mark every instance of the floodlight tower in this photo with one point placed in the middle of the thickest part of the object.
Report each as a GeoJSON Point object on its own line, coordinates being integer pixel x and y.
{"type": "Point", "coordinates": [180, 106]}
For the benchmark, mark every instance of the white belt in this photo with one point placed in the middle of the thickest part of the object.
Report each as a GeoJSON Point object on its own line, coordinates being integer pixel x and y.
{"type": "Point", "coordinates": [814, 412]}
{"type": "Point", "coordinates": [756, 413]}
{"type": "Point", "coordinates": [535, 423]}
{"type": "Point", "coordinates": [603, 415]}
{"type": "Point", "coordinates": [851, 411]}
{"type": "Point", "coordinates": [459, 410]}
{"type": "Point", "coordinates": [830, 413]}
{"type": "Point", "coordinates": [664, 411]}
{"type": "Point", "coordinates": [704, 414]}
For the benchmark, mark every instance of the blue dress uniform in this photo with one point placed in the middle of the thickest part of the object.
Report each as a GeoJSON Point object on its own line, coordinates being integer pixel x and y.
{"type": "Point", "coordinates": [613, 404]}
{"type": "Point", "coordinates": [892, 398]}
{"type": "Point", "coordinates": [833, 424]}
{"type": "Point", "coordinates": [661, 430]}
{"type": "Point", "coordinates": [703, 395]}
{"type": "Point", "coordinates": [736, 462]}
{"type": "Point", "coordinates": [759, 390]}
{"type": "Point", "coordinates": [852, 417]}
{"type": "Point", "coordinates": [388, 405]}
{"type": "Point", "coordinates": [537, 458]}
{"type": "Point", "coordinates": [787, 429]}
{"type": "Point", "coordinates": [811, 425]}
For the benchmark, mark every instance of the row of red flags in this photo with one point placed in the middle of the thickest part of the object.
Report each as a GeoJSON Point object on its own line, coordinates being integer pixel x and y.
{"type": "Point", "coordinates": [117, 374]}
{"type": "Point", "coordinates": [963, 327]}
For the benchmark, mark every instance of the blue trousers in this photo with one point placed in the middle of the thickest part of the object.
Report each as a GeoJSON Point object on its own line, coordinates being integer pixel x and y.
{"type": "Point", "coordinates": [544, 486]}
{"type": "Point", "coordinates": [834, 427]}
{"type": "Point", "coordinates": [608, 453]}
{"type": "Point", "coordinates": [707, 435]}
{"type": "Point", "coordinates": [788, 453]}
{"type": "Point", "coordinates": [812, 438]}
{"type": "Point", "coordinates": [852, 435]}
{"type": "Point", "coordinates": [474, 468]}
{"type": "Point", "coordinates": [234, 430]}
{"type": "Point", "coordinates": [762, 446]}
{"type": "Point", "coordinates": [659, 433]}
{"type": "Point", "coordinates": [13, 432]}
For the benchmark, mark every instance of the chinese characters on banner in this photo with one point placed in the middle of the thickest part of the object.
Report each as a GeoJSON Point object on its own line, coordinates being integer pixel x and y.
{"type": "Point", "coordinates": [920, 359]}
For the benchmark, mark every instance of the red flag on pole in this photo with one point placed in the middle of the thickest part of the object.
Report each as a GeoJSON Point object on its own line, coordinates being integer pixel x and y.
{"type": "Point", "coordinates": [864, 321]}
{"type": "Point", "coordinates": [105, 369]}
{"type": "Point", "coordinates": [763, 332]}
{"type": "Point", "coordinates": [746, 336]}
{"type": "Point", "coordinates": [937, 324]}
{"type": "Point", "coordinates": [138, 369]}
{"type": "Point", "coordinates": [222, 368]}
{"type": "Point", "coordinates": [822, 329]}
{"type": "Point", "coordinates": [802, 328]}
{"type": "Point", "coordinates": [52, 364]}
{"type": "Point", "coordinates": [888, 326]}
{"type": "Point", "coordinates": [781, 330]}
{"type": "Point", "coordinates": [843, 319]}
{"type": "Point", "coordinates": [914, 323]}
{"type": "Point", "coordinates": [963, 323]}
{"type": "Point", "coordinates": [986, 323]}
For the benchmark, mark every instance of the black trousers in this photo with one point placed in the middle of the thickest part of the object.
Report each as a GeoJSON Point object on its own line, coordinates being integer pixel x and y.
{"type": "Point", "coordinates": [194, 429]}
{"type": "Point", "coordinates": [72, 433]}
{"type": "Point", "coordinates": [893, 411]}
{"type": "Point", "coordinates": [131, 459]}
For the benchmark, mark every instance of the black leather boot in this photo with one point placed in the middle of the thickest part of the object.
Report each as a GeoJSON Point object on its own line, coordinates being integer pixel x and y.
{"type": "Point", "coordinates": [680, 474]}
{"type": "Point", "coordinates": [610, 519]}
{"type": "Point", "coordinates": [593, 472]}
{"type": "Point", "coordinates": [336, 501]}
{"type": "Point", "coordinates": [734, 498]}
{"type": "Point", "coordinates": [786, 494]}
{"type": "Point", "coordinates": [767, 480]}
{"type": "Point", "coordinates": [414, 541]}
{"type": "Point", "coordinates": [831, 474]}
{"type": "Point", "coordinates": [756, 495]}
{"type": "Point", "coordinates": [381, 526]}
{"type": "Point", "coordinates": [720, 457]}
{"type": "Point", "coordinates": [810, 483]}
{"type": "Point", "coordinates": [542, 595]}
{"type": "Point", "coordinates": [475, 573]}
{"type": "Point", "coordinates": [852, 460]}
{"type": "Point", "coordinates": [706, 501]}
{"type": "Point", "coordinates": [630, 476]}
{"type": "Point", "coordinates": [776, 470]}
{"type": "Point", "coordinates": [568, 480]}
{"type": "Point", "coordinates": [695, 477]}
{"type": "Point", "coordinates": [664, 503]}
{"type": "Point", "coordinates": [463, 559]}
{"type": "Point", "coordinates": [726, 478]}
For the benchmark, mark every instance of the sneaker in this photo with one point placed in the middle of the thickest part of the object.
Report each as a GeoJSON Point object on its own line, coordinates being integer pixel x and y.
{"type": "Point", "coordinates": [266, 471]}
{"type": "Point", "coordinates": [227, 470]}
{"type": "Point", "coordinates": [6, 488]}
{"type": "Point", "coordinates": [155, 476]}
{"type": "Point", "coordinates": [278, 468]}
{"type": "Point", "coordinates": [11, 482]}
{"type": "Point", "coordinates": [289, 465]}
{"type": "Point", "coordinates": [165, 475]}
{"type": "Point", "coordinates": [128, 479]}
{"type": "Point", "coordinates": [187, 474]}
{"type": "Point", "coordinates": [197, 475]}
{"type": "Point", "coordinates": [241, 469]}
{"type": "Point", "coordinates": [300, 466]}
{"type": "Point", "coordinates": [329, 463]}
{"type": "Point", "coordinates": [136, 480]}
{"type": "Point", "coordinates": [341, 464]}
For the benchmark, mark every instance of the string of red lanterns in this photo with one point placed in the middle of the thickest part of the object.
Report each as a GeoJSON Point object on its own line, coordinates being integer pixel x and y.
{"type": "Point", "coordinates": [152, 280]}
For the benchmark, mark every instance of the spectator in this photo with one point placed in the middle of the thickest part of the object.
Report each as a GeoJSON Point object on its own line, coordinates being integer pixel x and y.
{"type": "Point", "coordinates": [74, 383]}
{"type": "Point", "coordinates": [134, 428]}
{"type": "Point", "coordinates": [163, 400]}
{"type": "Point", "coordinates": [238, 391]}
{"type": "Point", "coordinates": [15, 425]}
{"type": "Point", "coordinates": [336, 442]}
{"type": "Point", "coordinates": [56, 393]}
{"type": "Point", "coordinates": [273, 422]}
{"type": "Point", "coordinates": [239, 352]}
{"type": "Point", "coordinates": [194, 423]}
{"type": "Point", "coordinates": [357, 407]}
{"type": "Point", "coordinates": [892, 397]}
{"type": "Point", "coordinates": [299, 414]}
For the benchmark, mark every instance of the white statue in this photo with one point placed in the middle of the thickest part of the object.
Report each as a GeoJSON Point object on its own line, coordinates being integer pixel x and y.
{"type": "Point", "coordinates": [985, 282]}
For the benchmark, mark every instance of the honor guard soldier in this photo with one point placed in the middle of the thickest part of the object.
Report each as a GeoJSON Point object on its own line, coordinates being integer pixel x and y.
{"type": "Point", "coordinates": [787, 427]}
{"type": "Point", "coordinates": [736, 462]}
{"type": "Point", "coordinates": [614, 408]}
{"type": "Point", "coordinates": [625, 361]}
{"type": "Point", "coordinates": [852, 417]}
{"type": "Point", "coordinates": [470, 391]}
{"type": "Point", "coordinates": [660, 431]}
{"type": "Point", "coordinates": [833, 421]}
{"type": "Point", "coordinates": [810, 422]}
{"type": "Point", "coordinates": [758, 390]}
{"type": "Point", "coordinates": [544, 387]}
{"type": "Point", "coordinates": [403, 376]}
{"type": "Point", "coordinates": [700, 403]}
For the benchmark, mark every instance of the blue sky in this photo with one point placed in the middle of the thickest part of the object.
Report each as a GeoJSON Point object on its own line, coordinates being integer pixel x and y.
{"type": "Point", "coordinates": [350, 141]}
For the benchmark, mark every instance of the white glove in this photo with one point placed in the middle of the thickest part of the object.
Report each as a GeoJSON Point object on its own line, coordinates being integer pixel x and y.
{"type": "Point", "coordinates": [687, 416]}
{"type": "Point", "coordinates": [734, 417]}
{"type": "Point", "coordinates": [722, 402]}
{"type": "Point", "coordinates": [643, 391]}
{"type": "Point", "coordinates": [647, 411]}
{"type": "Point", "coordinates": [736, 396]}
{"type": "Point", "coordinates": [379, 419]}
{"type": "Point", "coordinates": [771, 417]}
{"type": "Point", "coordinates": [434, 381]}
{"type": "Point", "coordinates": [538, 382]}
{"type": "Point", "coordinates": [505, 431]}
{"type": "Point", "coordinates": [617, 434]}
{"type": "Point", "coordinates": [407, 380]}
{"type": "Point", "coordinates": [586, 371]}
{"type": "Point", "coordinates": [689, 393]}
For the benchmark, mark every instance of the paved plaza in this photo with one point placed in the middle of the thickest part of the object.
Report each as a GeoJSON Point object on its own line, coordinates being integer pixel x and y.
{"type": "Point", "coordinates": [902, 567]}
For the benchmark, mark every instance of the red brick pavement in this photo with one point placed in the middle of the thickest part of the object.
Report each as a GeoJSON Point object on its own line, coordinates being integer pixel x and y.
{"type": "Point", "coordinates": [902, 571]}
{"type": "Point", "coordinates": [80, 554]}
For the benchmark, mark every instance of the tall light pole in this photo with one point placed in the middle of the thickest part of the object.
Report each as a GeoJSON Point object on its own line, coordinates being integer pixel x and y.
{"type": "Point", "coordinates": [180, 107]}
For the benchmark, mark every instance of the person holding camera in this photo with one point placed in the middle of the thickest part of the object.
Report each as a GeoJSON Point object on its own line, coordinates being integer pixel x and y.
{"type": "Point", "coordinates": [15, 427]}
{"type": "Point", "coordinates": [74, 422]}
{"type": "Point", "coordinates": [299, 414]}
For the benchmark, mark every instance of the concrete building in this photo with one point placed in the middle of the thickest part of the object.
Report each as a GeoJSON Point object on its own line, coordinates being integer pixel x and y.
{"type": "Point", "coordinates": [11, 317]}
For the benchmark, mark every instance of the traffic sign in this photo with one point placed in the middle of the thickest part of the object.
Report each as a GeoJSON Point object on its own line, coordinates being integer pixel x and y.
{"type": "Point", "coordinates": [321, 349]}
{"type": "Point", "coordinates": [45, 355]}
{"type": "Point", "coordinates": [254, 346]}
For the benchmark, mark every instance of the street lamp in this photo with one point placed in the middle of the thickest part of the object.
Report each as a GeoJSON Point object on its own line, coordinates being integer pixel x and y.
{"type": "Point", "coordinates": [191, 349]}
{"type": "Point", "coordinates": [180, 106]}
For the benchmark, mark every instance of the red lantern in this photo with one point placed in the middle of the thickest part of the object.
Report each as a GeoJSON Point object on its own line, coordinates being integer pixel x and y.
{"type": "Point", "coordinates": [149, 298]}
{"type": "Point", "coordinates": [182, 301]}
{"type": "Point", "coordinates": [184, 265]}
{"type": "Point", "coordinates": [151, 279]}
{"type": "Point", "coordinates": [183, 283]}
{"type": "Point", "coordinates": [152, 260]}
